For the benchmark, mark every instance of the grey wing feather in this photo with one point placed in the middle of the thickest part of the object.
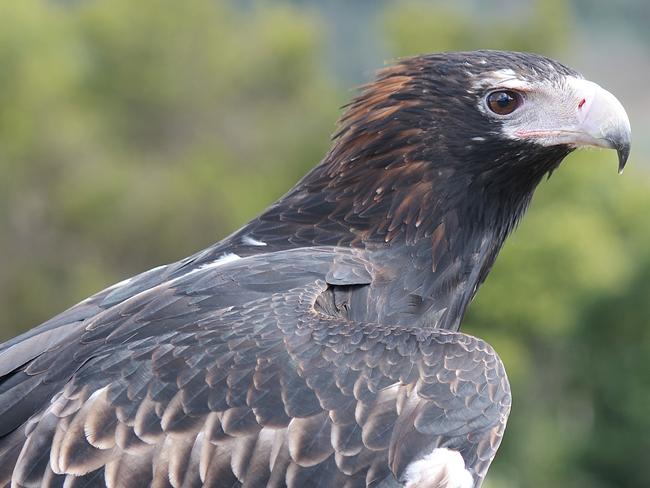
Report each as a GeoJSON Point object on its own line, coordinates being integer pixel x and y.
{"type": "Point", "coordinates": [213, 380]}
{"type": "Point", "coordinates": [25, 347]}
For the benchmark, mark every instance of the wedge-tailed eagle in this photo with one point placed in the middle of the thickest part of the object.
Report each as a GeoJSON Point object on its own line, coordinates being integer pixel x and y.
{"type": "Point", "coordinates": [319, 345]}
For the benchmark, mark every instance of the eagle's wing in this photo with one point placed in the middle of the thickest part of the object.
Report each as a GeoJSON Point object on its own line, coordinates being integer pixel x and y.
{"type": "Point", "coordinates": [25, 347]}
{"type": "Point", "coordinates": [239, 375]}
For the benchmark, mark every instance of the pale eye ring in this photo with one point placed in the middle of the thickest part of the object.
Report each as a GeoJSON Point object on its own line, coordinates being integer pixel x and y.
{"type": "Point", "coordinates": [503, 102]}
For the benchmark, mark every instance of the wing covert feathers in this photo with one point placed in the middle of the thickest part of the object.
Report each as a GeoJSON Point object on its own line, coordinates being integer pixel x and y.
{"type": "Point", "coordinates": [186, 386]}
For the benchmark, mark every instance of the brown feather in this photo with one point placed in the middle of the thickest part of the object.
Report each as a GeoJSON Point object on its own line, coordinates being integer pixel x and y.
{"type": "Point", "coordinates": [309, 440]}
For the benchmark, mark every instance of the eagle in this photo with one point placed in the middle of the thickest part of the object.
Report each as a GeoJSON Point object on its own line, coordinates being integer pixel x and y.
{"type": "Point", "coordinates": [319, 345]}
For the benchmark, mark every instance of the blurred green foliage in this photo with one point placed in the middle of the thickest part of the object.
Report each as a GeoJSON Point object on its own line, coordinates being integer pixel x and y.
{"type": "Point", "coordinates": [134, 133]}
{"type": "Point", "coordinates": [414, 26]}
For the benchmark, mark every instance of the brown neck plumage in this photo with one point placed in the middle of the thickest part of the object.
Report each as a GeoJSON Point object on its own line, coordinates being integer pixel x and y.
{"type": "Point", "coordinates": [402, 160]}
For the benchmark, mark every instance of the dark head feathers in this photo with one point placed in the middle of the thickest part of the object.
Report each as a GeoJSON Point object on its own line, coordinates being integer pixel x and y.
{"type": "Point", "coordinates": [432, 100]}
{"type": "Point", "coordinates": [414, 146]}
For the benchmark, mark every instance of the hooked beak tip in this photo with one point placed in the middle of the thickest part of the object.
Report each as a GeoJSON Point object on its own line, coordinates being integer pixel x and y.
{"type": "Point", "coordinates": [623, 151]}
{"type": "Point", "coordinates": [605, 122]}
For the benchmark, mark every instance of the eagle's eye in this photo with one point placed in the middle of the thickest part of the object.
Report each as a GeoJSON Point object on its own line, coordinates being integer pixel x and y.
{"type": "Point", "coordinates": [503, 102]}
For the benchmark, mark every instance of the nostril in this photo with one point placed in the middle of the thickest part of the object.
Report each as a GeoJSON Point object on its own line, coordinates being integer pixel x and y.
{"type": "Point", "coordinates": [582, 102]}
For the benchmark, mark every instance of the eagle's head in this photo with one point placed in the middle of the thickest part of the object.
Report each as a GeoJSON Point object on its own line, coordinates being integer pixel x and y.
{"type": "Point", "coordinates": [470, 132]}
{"type": "Point", "coordinates": [530, 99]}
{"type": "Point", "coordinates": [460, 100]}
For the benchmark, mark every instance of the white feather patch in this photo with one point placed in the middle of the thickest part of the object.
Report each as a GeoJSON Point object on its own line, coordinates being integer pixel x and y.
{"type": "Point", "coordinates": [249, 241]}
{"type": "Point", "coordinates": [227, 257]}
{"type": "Point", "coordinates": [502, 78]}
{"type": "Point", "coordinates": [442, 468]}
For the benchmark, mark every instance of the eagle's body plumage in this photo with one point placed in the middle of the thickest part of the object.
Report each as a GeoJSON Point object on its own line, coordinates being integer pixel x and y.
{"type": "Point", "coordinates": [318, 345]}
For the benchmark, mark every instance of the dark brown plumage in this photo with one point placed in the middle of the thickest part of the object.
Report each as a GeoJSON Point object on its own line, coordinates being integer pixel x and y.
{"type": "Point", "coordinates": [317, 346]}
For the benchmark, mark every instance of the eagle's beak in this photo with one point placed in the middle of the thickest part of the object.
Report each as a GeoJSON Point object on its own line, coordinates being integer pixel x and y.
{"type": "Point", "coordinates": [602, 120]}
{"type": "Point", "coordinates": [623, 150]}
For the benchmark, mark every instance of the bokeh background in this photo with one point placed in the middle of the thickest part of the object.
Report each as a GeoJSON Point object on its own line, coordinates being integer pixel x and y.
{"type": "Point", "coordinates": [135, 133]}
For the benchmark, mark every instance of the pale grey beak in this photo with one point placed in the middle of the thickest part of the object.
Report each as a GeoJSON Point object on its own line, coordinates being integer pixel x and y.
{"type": "Point", "coordinates": [603, 121]}
{"type": "Point", "coordinates": [585, 115]}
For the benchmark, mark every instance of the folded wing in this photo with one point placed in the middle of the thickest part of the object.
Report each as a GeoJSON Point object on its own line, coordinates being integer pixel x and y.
{"type": "Point", "coordinates": [235, 376]}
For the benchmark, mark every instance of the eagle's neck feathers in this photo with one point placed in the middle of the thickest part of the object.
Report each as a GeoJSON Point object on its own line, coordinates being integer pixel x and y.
{"type": "Point", "coordinates": [435, 201]}
{"type": "Point", "coordinates": [394, 174]}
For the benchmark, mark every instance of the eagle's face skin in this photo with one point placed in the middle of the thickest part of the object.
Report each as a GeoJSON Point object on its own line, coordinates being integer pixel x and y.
{"type": "Point", "coordinates": [560, 110]}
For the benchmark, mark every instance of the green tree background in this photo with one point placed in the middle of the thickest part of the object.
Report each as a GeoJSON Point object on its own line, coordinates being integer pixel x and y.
{"type": "Point", "coordinates": [135, 133]}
